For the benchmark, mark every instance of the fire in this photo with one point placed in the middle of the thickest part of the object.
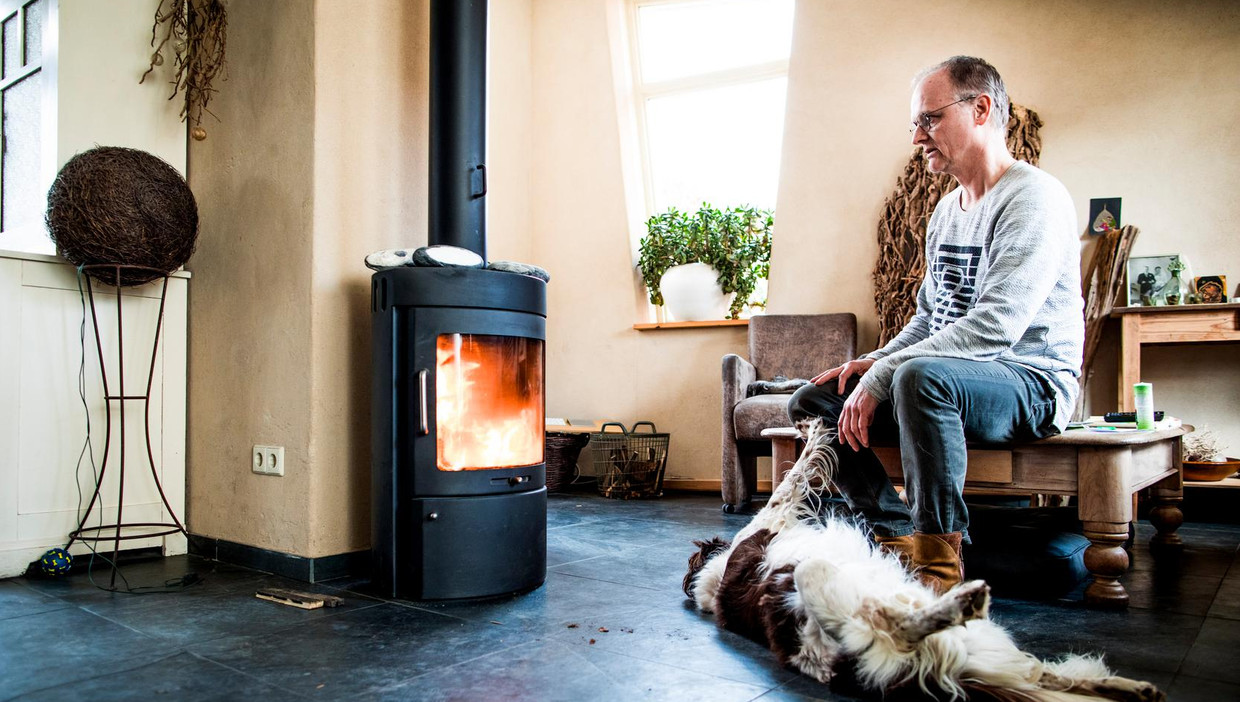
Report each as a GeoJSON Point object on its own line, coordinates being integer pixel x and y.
{"type": "Point", "coordinates": [488, 401]}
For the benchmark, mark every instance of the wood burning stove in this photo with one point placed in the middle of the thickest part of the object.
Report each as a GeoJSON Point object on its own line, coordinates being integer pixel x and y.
{"type": "Point", "coordinates": [460, 503]}
{"type": "Point", "coordinates": [458, 427]}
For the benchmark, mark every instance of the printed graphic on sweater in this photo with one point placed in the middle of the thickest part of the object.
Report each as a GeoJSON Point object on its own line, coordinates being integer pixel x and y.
{"type": "Point", "coordinates": [955, 275]}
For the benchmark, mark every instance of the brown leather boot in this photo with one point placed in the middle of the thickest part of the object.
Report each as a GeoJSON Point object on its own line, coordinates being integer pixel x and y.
{"type": "Point", "coordinates": [899, 546]}
{"type": "Point", "coordinates": [936, 560]}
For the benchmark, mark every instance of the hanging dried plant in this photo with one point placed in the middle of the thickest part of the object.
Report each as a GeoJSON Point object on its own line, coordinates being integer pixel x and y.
{"type": "Point", "coordinates": [197, 31]}
{"type": "Point", "coordinates": [902, 227]}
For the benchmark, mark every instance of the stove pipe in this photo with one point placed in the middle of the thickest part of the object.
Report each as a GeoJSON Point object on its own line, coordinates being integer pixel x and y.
{"type": "Point", "coordinates": [458, 101]}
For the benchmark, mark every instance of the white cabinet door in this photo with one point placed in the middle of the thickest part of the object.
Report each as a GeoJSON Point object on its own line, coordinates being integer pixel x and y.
{"type": "Point", "coordinates": [48, 359]}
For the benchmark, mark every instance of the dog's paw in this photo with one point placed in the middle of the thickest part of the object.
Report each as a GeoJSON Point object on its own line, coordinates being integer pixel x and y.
{"type": "Point", "coordinates": [971, 599]}
{"type": "Point", "coordinates": [1127, 690]}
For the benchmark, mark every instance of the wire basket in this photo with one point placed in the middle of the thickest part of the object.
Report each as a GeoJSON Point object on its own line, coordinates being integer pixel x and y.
{"type": "Point", "coordinates": [629, 465]}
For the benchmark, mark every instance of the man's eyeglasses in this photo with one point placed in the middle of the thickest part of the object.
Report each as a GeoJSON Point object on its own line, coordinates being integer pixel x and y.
{"type": "Point", "coordinates": [927, 121]}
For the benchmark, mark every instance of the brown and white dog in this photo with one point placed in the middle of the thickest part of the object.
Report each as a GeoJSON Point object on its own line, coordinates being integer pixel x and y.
{"type": "Point", "coordinates": [823, 597]}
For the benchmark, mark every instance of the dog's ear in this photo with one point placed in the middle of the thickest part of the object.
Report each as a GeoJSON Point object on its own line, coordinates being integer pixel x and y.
{"type": "Point", "coordinates": [697, 561]}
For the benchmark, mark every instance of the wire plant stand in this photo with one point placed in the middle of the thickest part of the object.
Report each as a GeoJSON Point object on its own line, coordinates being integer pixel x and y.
{"type": "Point", "coordinates": [93, 535]}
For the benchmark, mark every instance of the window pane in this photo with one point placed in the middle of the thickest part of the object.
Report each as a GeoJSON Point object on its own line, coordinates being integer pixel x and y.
{"type": "Point", "coordinates": [719, 146]}
{"type": "Point", "coordinates": [12, 46]}
{"type": "Point", "coordinates": [489, 401]}
{"type": "Point", "coordinates": [23, 203]}
{"type": "Point", "coordinates": [681, 40]}
{"type": "Point", "coordinates": [36, 12]}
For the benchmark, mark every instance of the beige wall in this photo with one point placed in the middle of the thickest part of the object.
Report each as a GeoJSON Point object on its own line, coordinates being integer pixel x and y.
{"type": "Point", "coordinates": [320, 158]}
{"type": "Point", "coordinates": [250, 355]}
{"type": "Point", "coordinates": [1136, 97]}
{"type": "Point", "coordinates": [598, 367]}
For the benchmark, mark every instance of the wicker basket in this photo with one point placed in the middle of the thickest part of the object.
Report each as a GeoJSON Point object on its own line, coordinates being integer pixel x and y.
{"type": "Point", "coordinates": [628, 464]}
{"type": "Point", "coordinates": [562, 452]}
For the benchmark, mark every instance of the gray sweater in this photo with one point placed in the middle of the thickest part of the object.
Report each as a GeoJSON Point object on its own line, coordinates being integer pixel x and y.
{"type": "Point", "coordinates": [1003, 283]}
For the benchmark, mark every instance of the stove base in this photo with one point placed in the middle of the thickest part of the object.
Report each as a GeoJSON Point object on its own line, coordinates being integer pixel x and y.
{"type": "Point", "coordinates": [464, 547]}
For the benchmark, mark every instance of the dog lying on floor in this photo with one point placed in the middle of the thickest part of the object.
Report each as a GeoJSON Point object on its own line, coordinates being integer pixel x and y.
{"type": "Point", "coordinates": [823, 597]}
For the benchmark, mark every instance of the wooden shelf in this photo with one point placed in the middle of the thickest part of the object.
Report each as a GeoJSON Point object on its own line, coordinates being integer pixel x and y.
{"type": "Point", "coordinates": [1173, 309]}
{"type": "Point", "coordinates": [1224, 483]}
{"type": "Point", "coordinates": [692, 325]}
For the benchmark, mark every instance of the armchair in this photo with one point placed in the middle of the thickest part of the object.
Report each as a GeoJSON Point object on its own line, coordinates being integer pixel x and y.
{"type": "Point", "coordinates": [794, 346]}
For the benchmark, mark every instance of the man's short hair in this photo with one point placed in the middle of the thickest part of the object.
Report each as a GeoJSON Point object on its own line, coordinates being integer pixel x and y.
{"type": "Point", "coordinates": [974, 76]}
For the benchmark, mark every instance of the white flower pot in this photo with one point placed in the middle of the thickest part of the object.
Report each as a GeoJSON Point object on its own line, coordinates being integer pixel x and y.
{"type": "Point", "coordinates": [691, 293]}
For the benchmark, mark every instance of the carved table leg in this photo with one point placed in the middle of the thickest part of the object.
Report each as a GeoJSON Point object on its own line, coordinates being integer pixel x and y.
{"type": "Point", "coordinates": [1165, 515]}
{"type": "Point", "coordinates": [1104, 491]}
{"type": "Point", "coordinates": [1106, 560]}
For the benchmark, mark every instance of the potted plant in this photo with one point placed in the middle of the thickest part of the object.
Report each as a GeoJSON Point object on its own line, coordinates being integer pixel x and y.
{"type": "Point", "coordinates": [1204, 460]}
{"type": "Point", "coordinates": [724, 251]}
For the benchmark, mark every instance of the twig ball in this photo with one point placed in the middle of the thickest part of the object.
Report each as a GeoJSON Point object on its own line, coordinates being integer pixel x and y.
{"type": "Point", "coordinates": [117, 205]}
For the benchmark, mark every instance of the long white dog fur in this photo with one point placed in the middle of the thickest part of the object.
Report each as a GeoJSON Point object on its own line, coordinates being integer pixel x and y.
{"type": "Point", "coordinates": [850, 602]}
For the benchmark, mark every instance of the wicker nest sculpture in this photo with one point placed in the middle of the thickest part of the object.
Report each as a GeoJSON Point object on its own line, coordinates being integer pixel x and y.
{"type": "Point", "coordinates": [113, 205]}
{"type": "Point", "coordinates": [902, 227]}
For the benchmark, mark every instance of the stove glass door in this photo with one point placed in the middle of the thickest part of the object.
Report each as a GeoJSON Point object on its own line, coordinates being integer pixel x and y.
{"type": "Point", "coordinates": [489, 403]}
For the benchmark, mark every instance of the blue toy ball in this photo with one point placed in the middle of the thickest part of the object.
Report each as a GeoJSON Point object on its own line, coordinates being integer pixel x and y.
{"type": "Point", "coordinates": [56, 562]}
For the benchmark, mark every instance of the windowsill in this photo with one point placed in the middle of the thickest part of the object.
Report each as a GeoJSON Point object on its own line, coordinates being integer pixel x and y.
{"type": "Point", "coordinates": [692, 325]}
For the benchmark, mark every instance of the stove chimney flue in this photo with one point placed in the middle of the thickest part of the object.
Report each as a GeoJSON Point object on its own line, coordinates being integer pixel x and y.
{"type": "Point", "coordinates": [458, 112]}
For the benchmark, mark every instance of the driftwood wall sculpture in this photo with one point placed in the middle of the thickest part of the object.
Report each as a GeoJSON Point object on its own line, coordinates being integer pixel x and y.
{"type": "Point", "coordinates": [902, 227]}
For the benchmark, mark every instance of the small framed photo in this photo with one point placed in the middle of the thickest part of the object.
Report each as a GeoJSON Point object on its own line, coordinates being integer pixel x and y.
{"type": "Point", "coordinates": [1103, 214]}
{"type": "Point", "coordinates": [1149, 279]}
{"type": "Point", "coordinates": [1211, 288]}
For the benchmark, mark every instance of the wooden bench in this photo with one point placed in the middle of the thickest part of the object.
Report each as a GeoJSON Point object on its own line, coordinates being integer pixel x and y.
{"type": "Point", "coordinates": [1102, 469]}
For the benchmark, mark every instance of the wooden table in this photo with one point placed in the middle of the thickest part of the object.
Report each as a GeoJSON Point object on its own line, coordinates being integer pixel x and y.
{"type": "Point", "coordinates": [1103, 469]}
{"type": "Point", "coordinates": [1170, 324]}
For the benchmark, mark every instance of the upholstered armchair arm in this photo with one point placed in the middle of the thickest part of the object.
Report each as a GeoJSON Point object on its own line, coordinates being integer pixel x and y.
{"type": "Point", "coordinates": [735, 484]}
{"type": "Point", "coordinates": [737, 375]}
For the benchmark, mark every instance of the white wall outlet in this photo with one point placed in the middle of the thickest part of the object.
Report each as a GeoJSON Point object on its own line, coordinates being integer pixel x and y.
{"type": "Point", "coordinates": [267, 460]}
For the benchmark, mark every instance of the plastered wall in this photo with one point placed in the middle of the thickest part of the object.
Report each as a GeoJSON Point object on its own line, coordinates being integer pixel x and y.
{"type": "Point", "coordinates": [1135, 96]}
{"type": "Point", "coordinates": [320, 155]}
{"type": "Point", "coordinates": [318, 159]}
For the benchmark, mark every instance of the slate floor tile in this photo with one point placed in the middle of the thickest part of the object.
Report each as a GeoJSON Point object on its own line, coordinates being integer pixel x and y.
{"type": "Point", "coordinates": [17, 600]}
{"type": "Point", "coordinates": [1189, 689]}
{"type": "Point", "coordinates": [562, 601]}
{"type": "Point", "coordinates": [52, 648]}
{"type": "Point", "coordinates": [1170, 591]}
{"type": "Point", "coordinates": [614, 565]}
{"type": "Point", "coordinates": [1134, 641]}
{"type": "Point", "coordinates": [682, 637]}
{"type": "Point", "coordinates": [1213, 655]}
{"type": "Point", "coordinates": [553, 672]}
{"type": "Point", "coordinates": [181, 676]}
{"type": "Point", "coordinates": [188, 620]}
{"type": "Point", "coordinates": [659, 567]}
{"type": "Point", "coordinates": [1226, 602]}
{"type": "Point", "coordinates": [360, 652]}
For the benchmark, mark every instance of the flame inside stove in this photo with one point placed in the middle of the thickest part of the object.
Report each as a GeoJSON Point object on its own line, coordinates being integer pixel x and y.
{"type": "Point", "coordinates": [489, 404]}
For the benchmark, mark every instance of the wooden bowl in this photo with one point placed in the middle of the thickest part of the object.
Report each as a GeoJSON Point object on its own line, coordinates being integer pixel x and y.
{"type": "Point", "coordinates": [1209, 471]}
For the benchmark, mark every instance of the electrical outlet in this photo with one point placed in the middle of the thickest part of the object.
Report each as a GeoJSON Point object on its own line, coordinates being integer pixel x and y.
{"type": "Point", "coordinates": [267, 460]}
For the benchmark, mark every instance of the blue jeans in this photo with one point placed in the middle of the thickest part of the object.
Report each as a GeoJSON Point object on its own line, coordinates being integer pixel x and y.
{"type": "Point", "coordinates": [936, 406]}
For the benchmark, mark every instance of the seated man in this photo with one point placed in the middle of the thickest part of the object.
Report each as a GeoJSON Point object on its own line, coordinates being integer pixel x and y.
{"type": "Point", "coordinates": [994, 351]}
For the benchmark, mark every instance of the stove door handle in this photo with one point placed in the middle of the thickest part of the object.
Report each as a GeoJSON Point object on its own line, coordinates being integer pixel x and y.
{"type": "Point", "coordinates": [424, 427]}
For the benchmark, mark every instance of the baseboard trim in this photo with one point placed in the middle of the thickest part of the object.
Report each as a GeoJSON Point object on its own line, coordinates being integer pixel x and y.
{"type": "Point", "coordinates": [310, 570]}
{"type": "Point", "coordinates": [696, 485]}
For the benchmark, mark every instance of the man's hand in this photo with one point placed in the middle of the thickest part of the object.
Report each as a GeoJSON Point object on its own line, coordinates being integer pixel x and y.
{"type": "Point", "coordinates": [844, 372]}
{"type": "Point", "coordinates": [858, 411]}
{"type": "Point", "coordinates": [855, 418]}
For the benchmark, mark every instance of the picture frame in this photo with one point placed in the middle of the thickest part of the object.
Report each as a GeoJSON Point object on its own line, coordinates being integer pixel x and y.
{"type": "Point", "coordinates": [1103, 215]}
{"type": "Point", "coordinates": [1148, 278]}
{"type": "Point", "coordinates": [1211, 288]}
